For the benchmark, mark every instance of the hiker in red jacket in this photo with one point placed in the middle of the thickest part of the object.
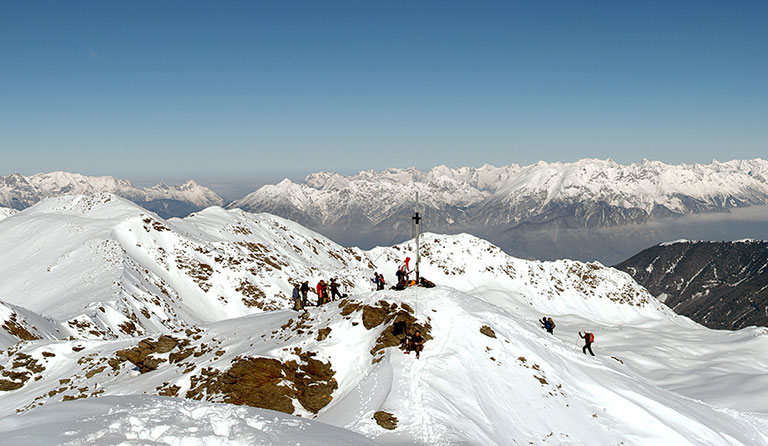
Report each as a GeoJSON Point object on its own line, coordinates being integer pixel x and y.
{"type": "Point", "coordinates": [589, 338]}
{"type": "Point", "coordinates": [322, 292]}
{"type": "Point", "coordinates": [402, 272]}
{"type": "Point", "coordinates": [406, 268]}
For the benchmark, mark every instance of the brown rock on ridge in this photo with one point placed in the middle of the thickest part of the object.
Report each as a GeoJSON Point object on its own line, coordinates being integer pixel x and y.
{"type": "Point", "coordinates": [269, 383]}
{"type": "Point", "coordinates": [385, 420]}
{"type": "Point", "coordinates": [488, 331]}
{"type": "Point", "coordinates": [392, 314]}
{"type": "Point", "coordinates": [15, 328]}
{"type": "Point", "coordinates": [140, 355]}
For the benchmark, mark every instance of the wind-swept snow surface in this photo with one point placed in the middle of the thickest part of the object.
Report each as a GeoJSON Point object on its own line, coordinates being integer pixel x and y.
{"type": "Point", "coordinates": [144, 420]}
{"type": "Point", "coordinates": [510, 383]}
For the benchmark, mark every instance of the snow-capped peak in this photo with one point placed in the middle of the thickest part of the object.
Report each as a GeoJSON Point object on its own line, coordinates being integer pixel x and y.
{"type": "Point", "coordinates": [19, 192]}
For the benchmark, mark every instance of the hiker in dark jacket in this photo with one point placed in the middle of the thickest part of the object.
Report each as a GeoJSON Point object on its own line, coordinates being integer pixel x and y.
{"type": "Point", "coordinates": [400, 279]}
{"type": "Point", "coordinates": [548, 324]}
{"type": "Point", "coordinates": [589, 338]}
{"type": "Point", "coordinates": [334, 289]}
{"type": "Point", "coordinates": [297, 305]}
{"type": "Point", "coordinates": [415, 344]}
{"type": "Point", "coordinates": [304, 290]}
{"type": "Point", "coordinates": [378, 279]}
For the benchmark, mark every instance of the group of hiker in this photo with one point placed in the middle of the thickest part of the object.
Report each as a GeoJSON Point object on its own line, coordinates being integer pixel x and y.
{"type": "Point", "coordinates": [548, 324]}
{"type": "Point", "coordinates": [403, 274]}
{"type": "Point", "coordinates": [326, 292]}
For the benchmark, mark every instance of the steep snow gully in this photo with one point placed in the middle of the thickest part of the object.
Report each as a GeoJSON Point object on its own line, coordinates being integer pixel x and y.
{"type": "Point", "coordinates": [198, 357]}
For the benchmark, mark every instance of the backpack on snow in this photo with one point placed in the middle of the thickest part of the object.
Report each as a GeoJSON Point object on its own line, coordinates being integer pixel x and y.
{"type": "Point", "coordinates": [551, 323]}
{"type": "Point", "coordinates": [589, 337]}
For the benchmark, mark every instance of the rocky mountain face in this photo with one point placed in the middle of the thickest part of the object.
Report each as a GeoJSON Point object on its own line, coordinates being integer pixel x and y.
{"type": "Point", "coordinates": [510, 204]}
{"type": "Point", "coordinates": [721, 285]}
{"type": "Point", "coordinates": [19, 192]}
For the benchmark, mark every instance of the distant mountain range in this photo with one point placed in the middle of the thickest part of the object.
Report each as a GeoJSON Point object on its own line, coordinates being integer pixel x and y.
{"type": "Point", "coordinates": [501, 203]}
{"type": "Point", "coordinates": [717, 284]}
{"type": "Point", "coordinates": [19, 192]}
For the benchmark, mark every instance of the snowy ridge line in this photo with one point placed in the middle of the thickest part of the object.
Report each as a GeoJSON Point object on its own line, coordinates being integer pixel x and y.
{"type": "Point", "coordinates": [103, 267]}
{"type": "Point", "coordinates": [683, 241]}
{"type": "Point", "coordinates": [680, 241]}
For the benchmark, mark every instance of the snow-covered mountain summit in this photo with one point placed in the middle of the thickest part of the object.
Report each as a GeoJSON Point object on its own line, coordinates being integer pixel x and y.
{"type": "Point", "coordinates": [102, 267]}
{"type": "Point", "coordinates": [584, 194]}
{"type": "Point", "coordinates": [19, 192]}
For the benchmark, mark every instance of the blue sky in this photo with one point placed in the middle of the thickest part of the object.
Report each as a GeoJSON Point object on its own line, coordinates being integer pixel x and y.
{"type": "Point", "coordinates": [243, 90]}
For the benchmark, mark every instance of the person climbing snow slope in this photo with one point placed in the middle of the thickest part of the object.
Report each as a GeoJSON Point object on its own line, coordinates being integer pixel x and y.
{"type": "Point", "coordinates": [589, 338]}
{"type": "Point", "coordinates": [548, 324]}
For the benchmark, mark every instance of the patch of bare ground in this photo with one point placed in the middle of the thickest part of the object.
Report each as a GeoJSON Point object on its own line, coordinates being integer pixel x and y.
{"type": "Point", "coordinates": [488, 331]}
{"type": "Point", "coordinates": [142, 357]}
{"type": "Point", "coordinates": [21, 370]}
{"type": "Point", "coordinates": [253, 296]}
{"type": "Point", "coordinates": [15, 328]}
{"type": "Point", "coordinates": [323, 333]}
{"type": "Point", "coordinates": [85, 327]}
{"type": "Point", "coordinates": [399, 322]}
{"type": "Point", "coordinates": [385, 420]}
{"type": "Point", "coordinates": [129, 328]}
{"type": "Point", "coordinates": [269, 383]}
{"type": "Point", "coordinates": [154, 224]}
{"type": "Point", "coordinates": [168, 390]}
{"type": "Point", "coordinates": [199, 272]}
